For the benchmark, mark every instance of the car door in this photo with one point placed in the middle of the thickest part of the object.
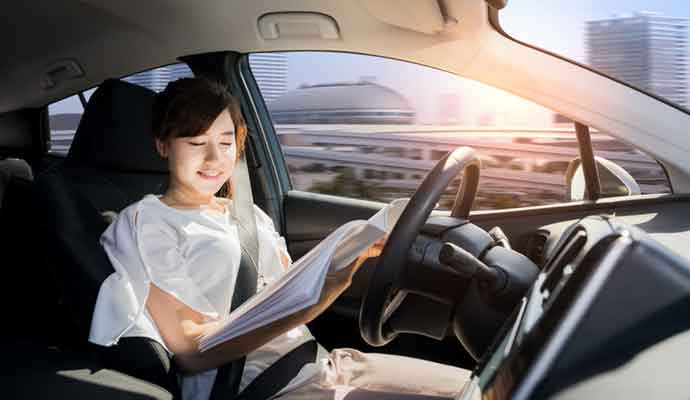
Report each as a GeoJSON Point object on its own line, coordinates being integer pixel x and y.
{"type": "Point", "coordinates": [348, 133]}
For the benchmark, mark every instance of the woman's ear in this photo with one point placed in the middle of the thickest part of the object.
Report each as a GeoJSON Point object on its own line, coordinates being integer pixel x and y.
{"type": "Point", "coordinates": [161, 147]}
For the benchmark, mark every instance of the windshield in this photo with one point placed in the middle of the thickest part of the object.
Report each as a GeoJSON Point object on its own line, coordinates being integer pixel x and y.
{"type": "Point", "coordinates": [643, 43]}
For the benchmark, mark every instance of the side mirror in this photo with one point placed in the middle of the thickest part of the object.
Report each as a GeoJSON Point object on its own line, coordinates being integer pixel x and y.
{"type": "Point", "coordinates": [613, 180]}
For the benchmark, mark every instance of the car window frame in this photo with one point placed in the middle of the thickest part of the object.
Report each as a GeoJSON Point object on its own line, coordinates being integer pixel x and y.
{"type": "Point", "coordinates": [282, 175]}
{"type": "Point", "coordinates": [265, 127]}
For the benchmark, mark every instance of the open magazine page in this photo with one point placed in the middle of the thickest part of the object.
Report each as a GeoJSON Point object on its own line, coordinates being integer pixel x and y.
{"type": "Point", "coordinates": [301, 285]}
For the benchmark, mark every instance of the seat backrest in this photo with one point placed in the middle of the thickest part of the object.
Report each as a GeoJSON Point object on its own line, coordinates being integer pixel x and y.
{"type": "Point", "coordinates": [21, 262]}
{"type": "Point", "coordinates": [111, 163]}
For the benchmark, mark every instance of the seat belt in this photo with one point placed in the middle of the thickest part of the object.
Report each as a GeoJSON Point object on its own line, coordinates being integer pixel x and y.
{"type": "Point", "coordinates": [279, 374]}
{"type": "Point", "coordinates": [227, 382]}
{"type": "Point", "coordinates": [243, 209]}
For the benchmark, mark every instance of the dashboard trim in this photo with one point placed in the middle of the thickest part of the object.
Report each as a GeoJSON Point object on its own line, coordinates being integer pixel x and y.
{"type": "Point", "coordinates": [565, 327]}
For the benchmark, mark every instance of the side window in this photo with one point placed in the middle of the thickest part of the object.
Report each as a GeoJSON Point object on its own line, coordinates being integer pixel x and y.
{"type": "Point", "coordinates": [371, 128]}
{"type": "Point", "coordinates": [648, 175]}
{"type": "Point", "coordinates": [64, 115]}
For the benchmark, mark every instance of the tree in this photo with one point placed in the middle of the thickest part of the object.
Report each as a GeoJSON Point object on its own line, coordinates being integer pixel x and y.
{"type": "Point", "coordinates": [345, 183]}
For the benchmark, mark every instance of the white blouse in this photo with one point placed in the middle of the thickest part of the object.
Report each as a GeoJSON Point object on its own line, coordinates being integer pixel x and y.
{"type": "Point", "coordinates": [194, 255]}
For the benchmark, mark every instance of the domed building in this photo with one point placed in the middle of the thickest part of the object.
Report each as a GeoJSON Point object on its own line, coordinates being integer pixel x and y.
{"type": "Point", "coordinates": [342, 103]}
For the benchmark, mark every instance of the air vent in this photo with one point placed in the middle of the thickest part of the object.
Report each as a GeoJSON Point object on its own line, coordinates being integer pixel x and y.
{"type": "Point", "coordinates": [535, 246]}
{"type": "Point", "coordinates": [561, 267]}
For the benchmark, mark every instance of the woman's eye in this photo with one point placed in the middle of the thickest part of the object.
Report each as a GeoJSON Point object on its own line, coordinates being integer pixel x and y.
{"type": "Point", "coordinates": [196, 143]}
{"type": "Point", "coordinates": [227, 144]}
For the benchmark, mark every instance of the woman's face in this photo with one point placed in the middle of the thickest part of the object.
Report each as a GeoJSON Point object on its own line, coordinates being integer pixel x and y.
{"type": "Point", "coordinates": [199, 165]}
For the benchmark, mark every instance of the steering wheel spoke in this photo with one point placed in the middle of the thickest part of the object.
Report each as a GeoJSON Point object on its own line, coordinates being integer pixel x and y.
{"type": "Point", "coordinates": [393, 304]}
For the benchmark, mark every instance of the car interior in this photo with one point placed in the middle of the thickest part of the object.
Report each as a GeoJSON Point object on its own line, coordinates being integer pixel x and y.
{"type": "Point", "coordinates": [580, 299]}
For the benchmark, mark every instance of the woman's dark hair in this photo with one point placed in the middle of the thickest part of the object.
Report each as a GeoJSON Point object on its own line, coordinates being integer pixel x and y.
{"type": "Point", "coordinates": [188, 106]}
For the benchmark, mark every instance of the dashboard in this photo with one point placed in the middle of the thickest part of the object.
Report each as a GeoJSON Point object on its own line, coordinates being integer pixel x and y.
{"type": "Point", "coordinates": [606, 293]}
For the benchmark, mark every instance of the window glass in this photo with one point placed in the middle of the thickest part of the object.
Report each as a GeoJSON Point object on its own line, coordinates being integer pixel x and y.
{"type": "Point", "coordinates": [643, 42]}
{"type": "Point", "coordinates": [64, 115]}
{"type": "Point", "coordinates": [371, 128]}
{"type": "Point", "coordinates": [646, 173]}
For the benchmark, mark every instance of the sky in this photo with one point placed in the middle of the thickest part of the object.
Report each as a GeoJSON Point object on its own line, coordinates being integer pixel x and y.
{"type": "Point", "coordinates": [555, 25]}
{"type": "Point", "coordinates": [558, 25]}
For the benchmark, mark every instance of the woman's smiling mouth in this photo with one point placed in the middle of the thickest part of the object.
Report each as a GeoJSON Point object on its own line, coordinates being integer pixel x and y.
{"type": "Point", "coordinates": [209, 174]}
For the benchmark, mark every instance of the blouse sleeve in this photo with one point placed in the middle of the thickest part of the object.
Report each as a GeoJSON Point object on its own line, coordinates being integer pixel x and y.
{"type": "Point", "coordinates": [160, 251]}
{"type": "Point", "coordinates": [141, 250]}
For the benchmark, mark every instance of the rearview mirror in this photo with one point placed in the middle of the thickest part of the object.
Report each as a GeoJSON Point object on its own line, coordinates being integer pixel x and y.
{"type": "Point", "coordinates": [613, 180]}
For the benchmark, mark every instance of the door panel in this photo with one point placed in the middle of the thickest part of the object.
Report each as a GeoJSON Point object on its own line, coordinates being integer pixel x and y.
{"type": "Point", "coordinates": [310, 217]}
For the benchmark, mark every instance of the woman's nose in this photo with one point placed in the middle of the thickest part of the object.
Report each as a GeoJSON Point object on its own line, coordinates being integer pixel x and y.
{"type": "Point", "coordinates": [213, 152]}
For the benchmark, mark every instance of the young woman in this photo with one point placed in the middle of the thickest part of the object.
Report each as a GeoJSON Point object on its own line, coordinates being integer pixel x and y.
{"type": "Point", "coordinates": [177, 256]}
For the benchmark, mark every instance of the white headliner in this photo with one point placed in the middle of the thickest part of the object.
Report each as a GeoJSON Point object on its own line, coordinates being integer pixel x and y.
{"type": "Point", "coordinates": [117, 38]}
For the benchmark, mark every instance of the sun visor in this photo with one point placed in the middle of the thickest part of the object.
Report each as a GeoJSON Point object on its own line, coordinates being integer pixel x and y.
{"type": "Point", "coordinates": [425, 16]}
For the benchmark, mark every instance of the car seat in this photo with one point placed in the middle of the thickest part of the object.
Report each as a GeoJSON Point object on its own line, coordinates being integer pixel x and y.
{"type": "Point", "coordinates": [112, 163]}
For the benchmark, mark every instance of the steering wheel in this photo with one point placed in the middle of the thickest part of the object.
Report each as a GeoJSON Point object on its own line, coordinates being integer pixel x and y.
{"type": "Point", "coordinates": [383, 294]}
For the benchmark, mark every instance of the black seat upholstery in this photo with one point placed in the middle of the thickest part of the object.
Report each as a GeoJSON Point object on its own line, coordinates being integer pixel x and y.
{"type": "Point", "coordinates": [21, 261]}
{"type": "Point", "coordinates": [15, 213]}
{"type": "Point", "coordinates": [35, 372]}
{"type": "Point", "coordinates": [112, 163]}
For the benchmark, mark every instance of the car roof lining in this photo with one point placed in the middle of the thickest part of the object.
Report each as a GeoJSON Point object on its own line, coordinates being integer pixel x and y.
{"type": "Point", "coordinates": [112, 39]}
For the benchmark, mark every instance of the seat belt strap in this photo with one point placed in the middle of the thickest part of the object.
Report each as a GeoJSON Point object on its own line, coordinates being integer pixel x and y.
{"type": "Point", "coordinates": [243, 209]}
{"type": "Point", "coordinates": [280, 373]}
{"type": "Point", "coordinates": [228, 377]}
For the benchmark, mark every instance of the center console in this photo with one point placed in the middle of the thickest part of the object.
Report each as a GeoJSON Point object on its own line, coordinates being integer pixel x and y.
{"type": "Point", "coordinates": [605, 293]}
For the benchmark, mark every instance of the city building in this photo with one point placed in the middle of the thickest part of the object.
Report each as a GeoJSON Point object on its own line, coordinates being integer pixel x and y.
{"type": "Point", "coordinates": [363, 102]}
{"type": "Point", "coordinates": [270, 72]}
{"type": "Point", "coordinates": [645, 49]}
{"type": "Point", "coordinates": [156, 79]}
{"type": "Point", "coordinates": [520, 167]}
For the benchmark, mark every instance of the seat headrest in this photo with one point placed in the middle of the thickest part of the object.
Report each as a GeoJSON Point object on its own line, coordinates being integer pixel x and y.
{"type": "Point", "coordinates": [10, 167]}
{"type": "Point", "coordinates": [13, 168]}
{"type": "Point", "coordinates": [115, 130]}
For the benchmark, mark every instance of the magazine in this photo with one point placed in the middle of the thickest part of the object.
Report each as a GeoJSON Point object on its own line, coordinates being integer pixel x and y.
{"type": "Point", "coordinates": [300, 287]}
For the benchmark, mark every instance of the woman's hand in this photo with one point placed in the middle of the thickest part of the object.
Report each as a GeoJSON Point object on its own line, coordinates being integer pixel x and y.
{"type": "Point", "coordinates": [337, 282]}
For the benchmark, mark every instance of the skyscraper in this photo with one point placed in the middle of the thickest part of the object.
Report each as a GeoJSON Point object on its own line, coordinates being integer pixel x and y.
{"type": "Point", "coordinates": [156, 79]}
{"type": "Point", "coordinates": [646, 49]}
{"type": "Point", "coordinates": [270, 71]}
